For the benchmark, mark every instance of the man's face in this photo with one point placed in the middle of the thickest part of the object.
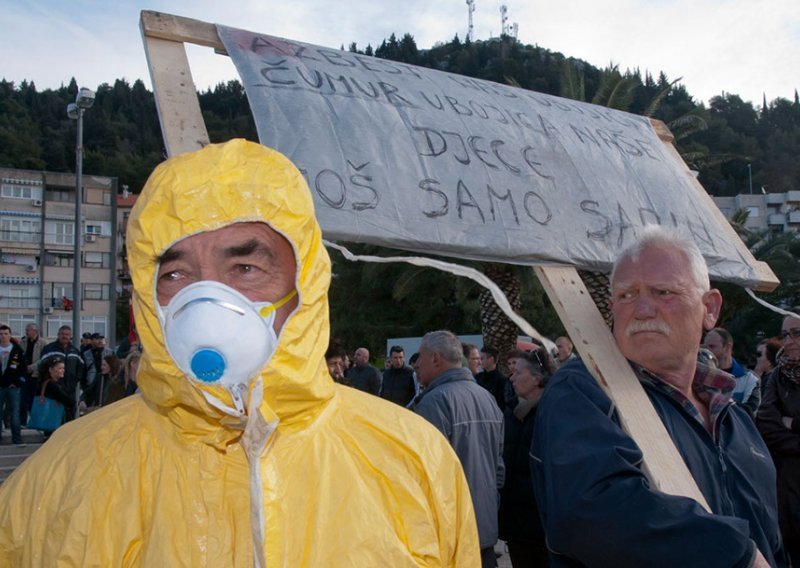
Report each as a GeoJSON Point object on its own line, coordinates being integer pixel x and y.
{"type": "Point", "coordinates": [97, 342]}
{"type": "Point", "coordinates": [714, 343]}
{"type": "Point", "coordinates": [659, 312]}
{"type": "Point", "coordinates": [336, 367]}
{"type": "Point", "coordinates": [487, 362]}
{"type": "Point", "coordinates": [474, 361]}
{"type": "Point", "coordinates": [791, 345]}
{"type": "Point", "coordinates": [426, 366]}
{"type": "Point", "coordinates": [563, 348]}
{"type": "Point", "coordinates": [251, 258]}
{"type": "Point", "coordinates": [31, 333]}
{"type": "Point", "coordinates": [5, 337]}
{"type": "Point", "coordinates": [64, 336]}
{"type": "Point", "coordinates": [361, 357]}
{"type": "Point", "coordinates": [397, 359]}
{"type": "Point", "coordinates": [512, 364]}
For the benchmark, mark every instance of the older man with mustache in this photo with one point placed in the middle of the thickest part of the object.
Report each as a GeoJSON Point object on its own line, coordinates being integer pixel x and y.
{"type": "Point", "coordinates": [596, 504]}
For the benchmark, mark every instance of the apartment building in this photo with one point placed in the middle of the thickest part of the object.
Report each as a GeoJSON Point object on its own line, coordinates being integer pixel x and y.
{"type": "Point", "coordinates": [37, 236]}
{"type": "Point", "coordinates": [778, 212]}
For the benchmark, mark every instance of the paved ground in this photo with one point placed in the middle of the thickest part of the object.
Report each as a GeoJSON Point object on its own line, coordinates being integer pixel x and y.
{"type": "Point", "coordinates": [12, 455]}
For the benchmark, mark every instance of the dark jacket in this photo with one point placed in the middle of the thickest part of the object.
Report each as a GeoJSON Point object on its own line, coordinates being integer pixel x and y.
{"type": "Point", "coordinates": [519, 515]}
{"type": "Point", "coordinates": [494, 382]}
{"type": "Point", "coordinates": [596, 504]}
{"type": "Point", "coordinates": [468, 417]}
{"type": "Point", "coordinates": [16, 368]}
{"type": "Point", "coordinates": [398, 385]}
{"type": "Point", "coordinates": [366, 378]}
{"type": "Point", "coordinates": [73, 367]}
{"type": "Point", "coordinates": [781, 398]}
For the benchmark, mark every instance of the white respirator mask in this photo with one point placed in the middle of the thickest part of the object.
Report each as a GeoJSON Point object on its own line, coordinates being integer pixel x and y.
{"type": "Point", "coordinates": [216, 336]}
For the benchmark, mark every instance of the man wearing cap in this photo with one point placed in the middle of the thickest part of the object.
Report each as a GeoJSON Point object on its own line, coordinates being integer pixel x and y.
{"type": "Point", "coordinates": [86, 342]}
{"type": "Point", "coordinates": [241, 449]}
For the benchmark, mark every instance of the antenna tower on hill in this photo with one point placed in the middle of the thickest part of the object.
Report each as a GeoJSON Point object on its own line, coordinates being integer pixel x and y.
{"type": "Point", "coordinates": [505, 28]}
{"type": "Point", "coordinates": [470, 9]}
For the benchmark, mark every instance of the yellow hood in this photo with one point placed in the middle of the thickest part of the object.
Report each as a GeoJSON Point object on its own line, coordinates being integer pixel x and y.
{"type": "Point", "coordinates": [234, 182]}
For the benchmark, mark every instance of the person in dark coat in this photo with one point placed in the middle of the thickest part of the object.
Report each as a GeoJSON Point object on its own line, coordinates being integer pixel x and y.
{"type": "Point", "coordinates": [519, 520]}
{"type": "Point", "coordinates": [51, 376]}
{"type": "Point", "coordinates": [398, 380]}
{"type": "Point", "coordinates": [779, 423]}
{"type": "Point", "coordinates": [12, 373]}
{"type": "Point", "coordinates": [73, 365]}
{"type": "Point", "coordinates": [597, 505]}
{"type": "Point", "coordinates": [468, 417]}
{"type": "Point", "coordinates": [491, 377]}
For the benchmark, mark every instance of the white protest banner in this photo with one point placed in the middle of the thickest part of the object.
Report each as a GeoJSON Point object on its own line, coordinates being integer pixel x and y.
{"type": "Point", "coordinates": [433, 162]}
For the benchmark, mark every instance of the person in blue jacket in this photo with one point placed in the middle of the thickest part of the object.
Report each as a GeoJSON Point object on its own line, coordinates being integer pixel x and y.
{"type": "Point", "coordinates": [596, 504]}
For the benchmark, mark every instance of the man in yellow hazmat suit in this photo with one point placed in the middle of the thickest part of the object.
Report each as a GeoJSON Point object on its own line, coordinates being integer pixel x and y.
{"type": "Point", "coordinates": [240, 450]}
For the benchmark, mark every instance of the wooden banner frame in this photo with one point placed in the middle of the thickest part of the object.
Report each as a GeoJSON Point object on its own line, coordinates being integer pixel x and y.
{"type": "Point", "coordinates": [184, 130]}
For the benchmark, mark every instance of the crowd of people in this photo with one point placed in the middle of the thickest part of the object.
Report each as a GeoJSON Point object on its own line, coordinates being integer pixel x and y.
{"type": "Point", "coordinates": [769, 394]}
{"type": "Point", "coordinates": [242, 450]}
{"type": "Point", "coordinates": [80, 378]}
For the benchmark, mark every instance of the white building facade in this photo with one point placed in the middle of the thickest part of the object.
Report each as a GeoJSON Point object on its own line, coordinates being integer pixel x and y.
{"type": "Point", "coordinates": [37, 232]}
{"type": "Point", "coordinates": [778, 212]}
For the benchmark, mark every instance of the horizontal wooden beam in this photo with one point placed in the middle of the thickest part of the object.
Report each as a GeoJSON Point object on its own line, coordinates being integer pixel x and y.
{"type": "Point", "coordinates": [180, 29]}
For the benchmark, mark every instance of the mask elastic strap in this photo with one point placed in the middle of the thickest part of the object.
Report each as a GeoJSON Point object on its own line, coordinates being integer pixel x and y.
{"type": "Point", "coordinates": [266, 310]}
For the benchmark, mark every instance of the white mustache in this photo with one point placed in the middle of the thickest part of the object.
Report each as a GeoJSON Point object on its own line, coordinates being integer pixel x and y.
{"type": "Point", "coordinates": [647, 325]}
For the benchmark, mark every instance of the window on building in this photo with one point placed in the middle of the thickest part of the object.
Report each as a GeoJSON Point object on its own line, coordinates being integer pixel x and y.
{"type": "Point", "coordinates": [18, 322]}
{"type": "Point", "coordinates": [59, 232]}
{"type": "Point", "coordinates": [752, 212]}
{"type": "Point", "coordinates": [101, 228]}
{"type": "Point", "coordinates": [55, 322]}
{"type": "Point", "coordinates": [55, 292]}
{"type": "Point", "coordinates": [58, 259]}
{"type": "Point", "coordinates": [14, 191]}
{"type": "Point", "coordinates": [94, 324]}
{"type": "Point", "coordinates": [19, 296]}
{"type": "Point", "coordinates": [61, 194]}
{"type": "Point", "coordinates": [97, 196]}
{"type": "Point", "coordinates": [95, 291]}
{"type": "Point", "coordinates": [93, 259]}
{"type": "Point", "coordinates": [20, 230]}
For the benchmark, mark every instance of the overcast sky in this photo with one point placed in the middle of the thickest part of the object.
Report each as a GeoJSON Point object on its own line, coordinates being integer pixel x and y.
{"type": "Point", "coordinates": [747, 47]}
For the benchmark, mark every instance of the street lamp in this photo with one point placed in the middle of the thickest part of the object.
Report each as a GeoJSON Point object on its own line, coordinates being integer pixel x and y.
{"type": "Point", "coordinates": [83, 101]}
{"type": "Point", "coordinates": [750, 175]}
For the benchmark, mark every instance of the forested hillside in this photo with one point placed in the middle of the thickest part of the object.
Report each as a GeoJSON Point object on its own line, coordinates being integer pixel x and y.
{"type": "Point", "coordinates": [123, 139]}
{"type": "Point", "coordinates": [372, 302]}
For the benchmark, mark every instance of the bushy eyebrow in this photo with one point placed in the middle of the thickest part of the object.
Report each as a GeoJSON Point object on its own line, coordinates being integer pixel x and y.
{"type": "Point", "coordinates": [253, 246]}
{"type": "Point", "coordinates": [170, 255]}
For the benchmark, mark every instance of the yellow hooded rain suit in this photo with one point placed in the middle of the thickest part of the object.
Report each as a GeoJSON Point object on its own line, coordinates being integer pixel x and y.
{"type": "Point", "coordinates": [162, 478]}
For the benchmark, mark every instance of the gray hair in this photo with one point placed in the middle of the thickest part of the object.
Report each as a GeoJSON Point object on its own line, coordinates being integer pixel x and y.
{"type": "Point", "coordinates": [655, 236]}
{"type": "Point", "coordinates": [445, 343]}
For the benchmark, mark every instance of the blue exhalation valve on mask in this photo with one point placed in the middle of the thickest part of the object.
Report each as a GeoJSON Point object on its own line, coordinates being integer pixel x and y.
{"type": "Point", "coordinates": [208, 365]}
